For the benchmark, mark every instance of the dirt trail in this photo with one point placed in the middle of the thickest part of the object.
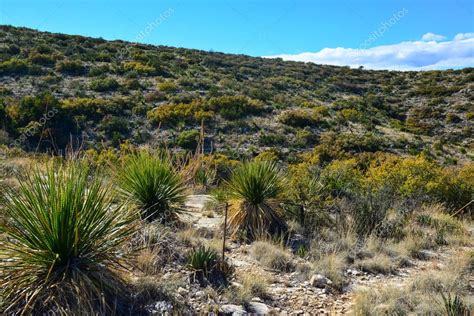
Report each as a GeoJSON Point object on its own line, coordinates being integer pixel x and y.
{"type": "Point", "coordinates": [292, 294]}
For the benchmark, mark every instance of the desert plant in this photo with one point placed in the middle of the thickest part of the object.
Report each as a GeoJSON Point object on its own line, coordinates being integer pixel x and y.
{"type": "Point", "coordinates": [272, 255]}
{"type": "Point", "coordinates": [62, 246]}
{"type": "Point", "coordinates": [208, 268]}
{"type": "Point", "coordinates": [454, 305]}
{"type": "Point", "coordinates": [153, 185]}
{"type": "Point", "coordinates": [254, 188]}
{"type": "Point", "coordinates": [203, 259]}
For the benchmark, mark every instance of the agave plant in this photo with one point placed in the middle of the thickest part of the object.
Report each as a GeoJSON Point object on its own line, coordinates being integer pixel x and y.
{"type": "Point", "coordinates": [254, 209]}
{"type": "Point", "coordinates": [62, 245]}
{"type": "Point", "coordinates": [153, 185]}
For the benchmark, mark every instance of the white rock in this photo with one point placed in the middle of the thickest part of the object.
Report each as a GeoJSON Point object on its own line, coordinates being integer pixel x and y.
{"type": "Point", "coordinates": [319, 281]}
{"type": "Point", "coordinates": [258, 308]}
{"type": "Point", "coordinates": [182, 291]}
{"type": "Point", "coordinates": [232, 309]}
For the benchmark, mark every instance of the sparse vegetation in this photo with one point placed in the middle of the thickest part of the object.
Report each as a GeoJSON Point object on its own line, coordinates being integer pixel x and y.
{"type": "Point", "coordinates": [332, 177]}
{"type": "Point", "coordinates": [254, 211]}
{"type": "Point", "coordinates": [62, 244]}
{"type": "Point", "coordinates": [152, 183]}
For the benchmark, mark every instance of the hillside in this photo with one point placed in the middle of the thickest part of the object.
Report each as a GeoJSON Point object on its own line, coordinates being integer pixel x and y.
{"type": "Point", "coordinates": [317, 189]}
{"type": "Point", "coordinates": [58, 88]}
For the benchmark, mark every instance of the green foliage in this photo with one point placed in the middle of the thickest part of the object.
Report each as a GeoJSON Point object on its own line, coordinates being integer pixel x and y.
{"type": "Point", "coordinates": [104, 85]}
{"type": "Point", "coordinates": [63, 240]}
{"type": "Point", "coordinates": [203, 259]}
{"type": "Point", "coordinates": [253, 188]}
{"type": "Point", "coordinates": [42, 59]}
{"type": "Point", "coordinates": [173, 114]}
{"type": "Point", "coordinates": [71, 67]}
{"type": "Point", "coordinates": [188, 139]}
{"type": "Point", "coordinates": [300, 118]}
{"type": "Point", "coordinates": [153, 185]}
{"type": "Point", "coordinates": [454, 305]}
{"type": "Point", "coordinates": [167, 86]}
{"type": "Point", "coordinates": [140, 68]}
{"type": "Point", "coordinates": [234, 107]}
{"type": "Point", "coordinates": [435, 90]}
{"type": "Point", "coordinates": [306, 197]}
{"type": "Point", "coordinates": [17, 67]}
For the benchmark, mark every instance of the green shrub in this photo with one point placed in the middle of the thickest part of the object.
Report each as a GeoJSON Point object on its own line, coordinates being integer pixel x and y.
{"type": "Point", "coordinates": [234, 107]}
{"type": "Point", "coordinates": [104, 85]}
{"type": "Point", "coordinates": [42, 59]}
{"type": "Point", "coordinates": [203, 259]}
{"type": "Point", "coordinates": [254, 187]}
{"type": "Point", "coordinates": [71, 67]}
{"type": "Point", "coordinates": [140, 69]}
{"type": "Point", "coordinates": [167, 86]}
{"type": "Point", "coordinates": [63, 243]}
{"type": "Point", "coordinates": [14, 67]}
{"type": "Point", "coordinates": [188, 139]}
{"type": "Point", "coordinates": [272, 256]}
{"type": "Point", "coordinates": [454, 305]}
{"type": "Point", "coordinates": [153, 185]}
{"type": "Point", "coordinates": [300, 118]}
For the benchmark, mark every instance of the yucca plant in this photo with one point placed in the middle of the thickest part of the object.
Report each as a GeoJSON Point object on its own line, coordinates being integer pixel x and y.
{"type": "Point", "coordinates": [208, 268]}
{"type": "Point", "coordinates": [153, 185]}
{"type": "Point", "coordinates": [62, 245]}
{"type": "Point", "coordinates": [454, 305]}
{"type": "Point", "coordinates": [254, 209]}
{"type": "Point", "coordinates": [203, 259]}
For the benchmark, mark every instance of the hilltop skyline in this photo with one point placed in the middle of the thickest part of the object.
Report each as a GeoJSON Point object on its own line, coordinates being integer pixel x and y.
{"type": "Point", "coordinates": [401, 35]}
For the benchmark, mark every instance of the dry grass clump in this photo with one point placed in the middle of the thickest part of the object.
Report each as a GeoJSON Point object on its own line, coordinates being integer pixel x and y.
{"type": "Point", "coordinates": [257, 284]}
{"type": "Point", "coordinates": [150, 289]}
{"type": "Point", "coordinates": [250, 284]}
{"type": "Point", "coordinates": [272, 255]}
{"type": "Point", "coordinates": [190, 237]}
{"type": "Point", "coordinates": [381, 300]}
{"type": "Point", "coordinates": [434, 292]}
{"type": "Point", "coordinates": [154, 246]}
{"type": "Point", "coordinates": [379, 263]}
{"type": "Point", "coordinates": [332, 266]}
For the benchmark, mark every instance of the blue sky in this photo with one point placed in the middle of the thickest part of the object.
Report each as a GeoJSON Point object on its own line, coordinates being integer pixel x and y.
{"type": "Point", "coordinates": [267, 28]}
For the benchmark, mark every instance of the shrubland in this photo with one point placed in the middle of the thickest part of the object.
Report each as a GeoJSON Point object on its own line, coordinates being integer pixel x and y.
{"type": "Point", "coordinates": [246, 105]}
{"type": "Point", "coordinates": [323, 170]}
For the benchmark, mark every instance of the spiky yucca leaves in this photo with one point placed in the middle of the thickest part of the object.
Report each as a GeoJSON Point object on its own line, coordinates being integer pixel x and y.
{"type": "Point", "coordinates": [62, 245]}
{"type": "Point", "coordinates": [254, 209]}
{"type": "Point", "coordinates": [153, 185]}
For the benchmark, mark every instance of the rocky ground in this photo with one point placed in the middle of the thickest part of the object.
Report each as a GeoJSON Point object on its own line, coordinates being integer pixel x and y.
{"type": "Point", "coordinates": [292, 293]}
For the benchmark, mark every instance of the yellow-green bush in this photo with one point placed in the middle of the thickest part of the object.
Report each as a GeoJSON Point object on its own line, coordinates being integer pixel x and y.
{"type": "Point", "coordinates": [139, 68]}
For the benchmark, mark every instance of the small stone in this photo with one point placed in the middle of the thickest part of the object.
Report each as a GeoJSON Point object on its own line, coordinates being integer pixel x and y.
{"type": "Point", "coordinates": [232, 309]}
{"type": "Point", "coordinates": [319, 281]}
{"type": "Point", "coordinates": [258, 308]}
{"type": "Point", "coordinates": [199, 294]}
{"type": "Point", "coordinates": [182, 291]}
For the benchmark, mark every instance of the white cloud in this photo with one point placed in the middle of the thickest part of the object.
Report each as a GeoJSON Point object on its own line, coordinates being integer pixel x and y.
{"type": "Point", "coordinates": [412, 55]}
{"type": "Point", "coordinates": [461, 36]}
{"type": "Point", "coordinates": [433, 37]}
